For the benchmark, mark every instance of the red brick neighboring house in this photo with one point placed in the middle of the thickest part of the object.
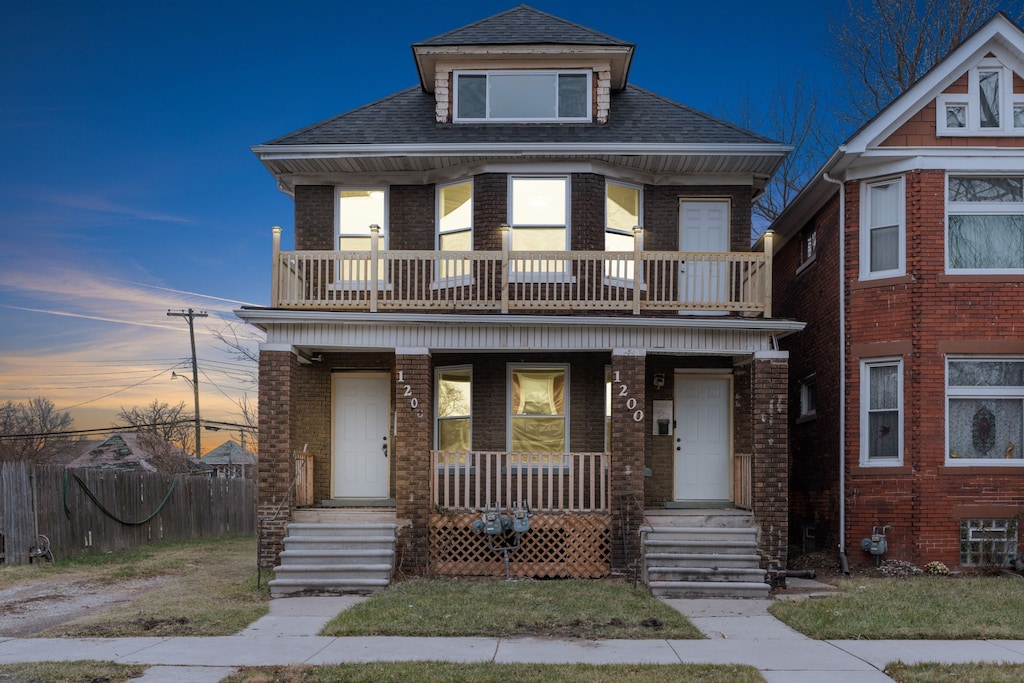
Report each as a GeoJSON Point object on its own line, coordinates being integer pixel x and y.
{"type": "Point", "coordinates": [523, 278]}
{"type": "Point", "coordinates": [905, 254]}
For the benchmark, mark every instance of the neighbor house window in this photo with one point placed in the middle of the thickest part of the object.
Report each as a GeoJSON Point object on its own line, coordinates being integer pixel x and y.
{"type": "Point", "coordinates": [990, 107]}
{"type": "Point", "coordinates": [881, 419]}
{"type": "Point", "coordinates": [538, 409]}
{"type": "Point", "coordinates": [454, 409]}
{"type": "Point", "coordinates": [809, 397]}
{"type": "Point", "coordinates": [454, 227]}
{"type": "Point", "coordinates": [882, 235]}
{"type": "Point", "coordinates": [356, 211]}
{"type": "Point", "coordinates": [985, 411]}
{"type": "Point", "coordinates": [622, 214]}
{"type": "Point", "coordinates": [523, 96]}
{"type": "Point", "coordinates": [985, 224]}
{"type": "Point", "coordinates": [987, 542]}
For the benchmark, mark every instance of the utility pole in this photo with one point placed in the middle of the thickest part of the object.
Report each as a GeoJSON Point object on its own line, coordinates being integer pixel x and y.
{"type": "Point", "coordinates": [190, 316]}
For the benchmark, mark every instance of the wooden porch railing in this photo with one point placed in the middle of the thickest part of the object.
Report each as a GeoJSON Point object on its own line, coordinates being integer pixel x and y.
{"type": "Point", "coordinates": [743, 479]}
{"type": "Point", "coordinates": [522, 281]}
{"type": "Point", "coordinates": [548, 482]}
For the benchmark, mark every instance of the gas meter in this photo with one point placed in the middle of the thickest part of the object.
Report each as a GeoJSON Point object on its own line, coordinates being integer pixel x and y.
{"type": "Point", "coordinates": [521, 517]}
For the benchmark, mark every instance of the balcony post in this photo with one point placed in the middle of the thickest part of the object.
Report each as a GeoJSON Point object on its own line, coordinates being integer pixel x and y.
{"type": "Point", "coordinates": [275, 269]}
{"type": "Point", "coordinates": [504, 268]}
{"type": "Point", "coordinates": [769, 250]}
{"type": "Point", "coordinates": [374, 276]}
{"type": "Point", "coordinates": [638, 248]}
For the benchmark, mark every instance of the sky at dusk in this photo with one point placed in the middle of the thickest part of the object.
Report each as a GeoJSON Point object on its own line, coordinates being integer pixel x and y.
{"type": "Point", "coordinates": [127, 186]}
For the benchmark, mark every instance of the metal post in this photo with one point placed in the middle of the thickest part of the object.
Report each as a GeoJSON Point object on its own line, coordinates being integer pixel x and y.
{"type": "Point", "coordinates": [190, 316]}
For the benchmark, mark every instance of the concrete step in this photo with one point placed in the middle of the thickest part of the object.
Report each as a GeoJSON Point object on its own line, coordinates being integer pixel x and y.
{"type": "Point", "coordinates": [702, 560]}
{"type": "Point", "coordinates": [337, 556]}
{"type": "Point", "coordinates": [699, 518]}
{"type": "Point", "coordinates": [283, 587]}
{"type": "Point", "coordinates": [343, 515]}
{"type": "Point", "coordinates": [309, 572]}
{"type": "Point", "coordinates": [695, 547]}
{"type": "Point", "coordinates": [355, 543]}
{"type": "Point", "coordinates": [708, 589]}
{"type": "Point", "coordinates": [341, 529]}
{"type": "Point", "coordinates": [705, 574]}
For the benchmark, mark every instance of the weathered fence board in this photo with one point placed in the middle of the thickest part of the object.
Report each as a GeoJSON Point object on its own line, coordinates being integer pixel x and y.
{"type": "Point", "coordinates": [196, 507]}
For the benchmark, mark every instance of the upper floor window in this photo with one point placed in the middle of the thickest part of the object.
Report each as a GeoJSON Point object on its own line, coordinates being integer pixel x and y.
{"type": "Point", "coordinates": [985, 411]}
{"type": "Point", "coordinates": [622, 214]}
{"type": "Point", "coordinates": [882, 234]}
{"type": "Point", "coordinates": [989, 107]}
{"type": "Point", "coordinates": [881, 411]}
{"type": "Point", "coordinates": [455, 216]}
{"type": "Point", "coordinates": [539, 213]}
{"type": "Point", "coordinates": [522, 96]}
{"type": "Point", "coordinates": [356, 211]}
{"type": "Point", "coordinates": [985, 224]}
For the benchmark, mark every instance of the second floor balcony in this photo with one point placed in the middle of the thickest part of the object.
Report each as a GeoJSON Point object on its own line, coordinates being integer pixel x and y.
{"type": "Point", "coordinates": [506, 281]}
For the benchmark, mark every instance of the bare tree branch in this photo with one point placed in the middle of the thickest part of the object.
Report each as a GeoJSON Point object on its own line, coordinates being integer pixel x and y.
{"type": "Point", "coordinates": [170, 423]}
{"type": "Point", "coordinates": [39, 417]}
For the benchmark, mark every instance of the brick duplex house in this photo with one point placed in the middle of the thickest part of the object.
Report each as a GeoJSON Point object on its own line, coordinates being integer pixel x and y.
{"type": "Point", "coordinates": [905, 254]}
{"type": "Point", "coordinates": [523, 279]}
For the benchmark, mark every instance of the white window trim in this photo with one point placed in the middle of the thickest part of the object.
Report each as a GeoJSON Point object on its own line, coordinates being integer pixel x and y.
{"type": "Point", "coordinates": [972, 100]}
{"type": "Point", "coordinates": [865, 229]}
{"type": "Point", "coordinates": [563, 275]}
{"type": "Point", "coordinates": [623, 281]}
{"type": "Point", "coordinates": [437, 387]}
{"type": "Point", "coordinates": [865, 403]}
{"type": "Point", "coordinates": [487, 119]}
{"type": "Point", "coordinates": [383, 281]}
{"type": "Point", "coordinates": [510, 367]}
{"type": "Point", "coordinates": [979, 209]}
{"type": "Point", "coordinates": [457, 280]}
{"type": "Point", "coordinates": [979, 392]}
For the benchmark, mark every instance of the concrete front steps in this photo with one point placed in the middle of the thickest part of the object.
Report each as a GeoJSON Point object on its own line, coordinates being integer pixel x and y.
{"type": "Point", "coordinates": [336, 551]}
{"type": "Point", "coordinates": [702, 554]}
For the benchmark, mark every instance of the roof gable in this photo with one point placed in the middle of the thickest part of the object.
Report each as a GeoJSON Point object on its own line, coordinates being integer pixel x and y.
{"type": "Point", "coordinates": [523, 25]}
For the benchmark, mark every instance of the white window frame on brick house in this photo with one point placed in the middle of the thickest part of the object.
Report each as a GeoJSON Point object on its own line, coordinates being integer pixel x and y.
{"type": "Point", "coordinates": [452, 415]}
{"type": "Point", "coordinates": [989, 83]}
{"type": "Point", "coordinates": [873, 222]}
{"type": "Point", "coordinates": [870, 408]}
{"type": "Point", "coordinates": [352, 230]}
{"type": "Point", "coordinates": [518, 412]}
{"type": "Point", "coordinates": [998, 218]}
{"type": "Point", "coordinates": [454, 221]}
{"type": "Point", "coordinates": [528, 217]}
{"type": "Point", "coordinates": [984, 411]}
{"type": "Point", "coordinates": [536, 96]}
{"type": "Point", "coordinates": [619, 235]}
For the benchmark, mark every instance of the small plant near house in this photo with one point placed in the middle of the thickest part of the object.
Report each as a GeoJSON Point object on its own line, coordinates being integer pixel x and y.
{"type": "Point", "coordinates": [936, 569]}
{"type": "Point", "coordinates": [898, 568]}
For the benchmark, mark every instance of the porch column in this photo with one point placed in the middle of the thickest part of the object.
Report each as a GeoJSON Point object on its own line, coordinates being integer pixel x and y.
{"type": "Point", "coordinates": [769, 378]}
{"type": "Point", "coordinates": [413, 438]}
{"type": "Point", "coordinates": [629, 431]}
{"type": "Point", "coordinates": [274, 467]}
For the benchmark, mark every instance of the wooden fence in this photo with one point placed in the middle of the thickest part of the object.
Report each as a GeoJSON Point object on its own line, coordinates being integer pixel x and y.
{"type": "Point", "coordinates": [124, 510]}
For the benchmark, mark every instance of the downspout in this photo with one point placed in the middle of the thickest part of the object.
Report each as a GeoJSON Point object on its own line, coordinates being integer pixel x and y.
{"type": "Point", "coordinates": [844, 563]}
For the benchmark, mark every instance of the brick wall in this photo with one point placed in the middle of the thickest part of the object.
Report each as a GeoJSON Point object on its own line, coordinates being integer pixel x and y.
{"type": "Point", "coordinates": [412, 218]}
{"type": "Point", "coordinates": [769, 379]}
{"type": "Point", "coordinates": [661, 213]}
{"type": "Point", "coordinates": [490, 195]}
{"type": "Point", "coordinates": [588, 209]}
{"type": "Point", "coordinates": [274, 470]}
{"type": "Point", "coordinates": [411, 457]}
{"type": "Point", "coordinates": [627, 465]}
{"type": "Point", "coordinates": [314, 217]}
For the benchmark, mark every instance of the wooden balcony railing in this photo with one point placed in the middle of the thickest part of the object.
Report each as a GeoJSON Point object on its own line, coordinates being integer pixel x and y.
{"type": "Point", "coordinates": [548, 482]}
{"type": "Point", "coordinates": [520, 281]}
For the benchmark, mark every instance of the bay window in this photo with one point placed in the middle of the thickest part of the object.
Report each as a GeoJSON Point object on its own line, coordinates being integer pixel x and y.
{"type": "Point", "coordinates": [985, 411]}
{"type": "Point", "coordinates": [985, 224]}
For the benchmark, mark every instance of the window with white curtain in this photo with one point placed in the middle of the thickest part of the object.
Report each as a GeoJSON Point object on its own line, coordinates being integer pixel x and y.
{"type": "Point", "coordinates": [985, 411]}
{"type": "Point", "coordinates": [881, 411]}
{"type": "Point", "coordinates": [882, 234]}
{"type": "Point", "coordinates": [538, 409]}
{"type": "Point", "coordinates": [985, 224]}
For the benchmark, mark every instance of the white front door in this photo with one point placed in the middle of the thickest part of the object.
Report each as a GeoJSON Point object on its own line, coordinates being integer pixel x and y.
{"type": "Point", "coordinates": [360, 435]}
{"type": "Point", "coordinates": [703, 227]}
{"type": "Point", "coordinates": [702, 438]}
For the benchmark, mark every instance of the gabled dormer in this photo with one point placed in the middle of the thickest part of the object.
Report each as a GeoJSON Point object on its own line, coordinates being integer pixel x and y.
{"type": "Point", "coordinates": [523, 66]}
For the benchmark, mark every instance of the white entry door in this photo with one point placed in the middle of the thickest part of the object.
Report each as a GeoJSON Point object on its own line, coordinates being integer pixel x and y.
{"type": "Point", "coordinates": [360, 435]}
{"type": "Point", "coordinates": [702, 439]}
{"type": "Point", "coordinates": [703, 227]}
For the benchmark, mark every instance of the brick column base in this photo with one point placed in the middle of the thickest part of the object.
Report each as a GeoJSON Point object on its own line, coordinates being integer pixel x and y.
{"type": "Point", "coordinates": [414, 394]}
{"type": "Point", "coordinates": [274, 469]}
{"type": "Point", "coordinates": [769, 380]}
{"type": "Point", "coordinates": [629, 430]}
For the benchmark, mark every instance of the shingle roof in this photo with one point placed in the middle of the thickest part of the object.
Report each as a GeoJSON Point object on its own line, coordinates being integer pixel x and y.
{"type": "Point", "coordinates": [522, 25]}
{"type": "Point", "coordinates": [407, 117]}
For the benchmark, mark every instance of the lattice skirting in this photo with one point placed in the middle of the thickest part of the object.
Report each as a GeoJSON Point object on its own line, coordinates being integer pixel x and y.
{"type": "Point", "coordinates": [557, 545]}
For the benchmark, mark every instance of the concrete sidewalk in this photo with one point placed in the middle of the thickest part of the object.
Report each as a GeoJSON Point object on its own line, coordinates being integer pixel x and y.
{"type": "Point", "coordinates": [739, 632]}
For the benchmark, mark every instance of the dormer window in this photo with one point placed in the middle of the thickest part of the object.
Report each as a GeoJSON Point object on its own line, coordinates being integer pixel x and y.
{"type": "Point", "coordinates": [989, 107]}
{"type": "Point", "coordinates": [535, 96]}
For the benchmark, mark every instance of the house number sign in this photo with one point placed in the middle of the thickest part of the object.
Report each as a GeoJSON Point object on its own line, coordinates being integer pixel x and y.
{"type": "Point", "coordinates": [638, 414]}
{"type": "Point", "coordinates": [414, 402]}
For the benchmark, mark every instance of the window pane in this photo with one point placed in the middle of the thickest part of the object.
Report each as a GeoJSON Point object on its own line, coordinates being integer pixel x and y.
{"type": "Point", "coordinates": [453, 434]}
{"type": "Point", "coordinates": [538, 392]}
{"type": "Point", "coordinates": [1018, 116]}
{"type": "Point", "coordinates": [457, 241]}
{"type": "Point", "coordinates": [956, 116]}
{"type": "Point", "coordinates": [539, 239]}
{"type": "Point", "coordinates": [883, 434]}
{"type": "Point", "coordinates": [354, 243]}
{"type": "Point", "coordinates": [884, 201]}
{"type": "Point", "coordinates": [975, 373]}
{"type": "Point", "coordinates": [986, 428]}
{"type": "Point", "coordinates": [454, 397]}
{"type": "Point", "coordinates": [538, 434]}
{"type": "Point", "coordinates": [885, 249]}
{"type": "Point", "coordinates": [358, 210]}
{"type": "Point", "coordinates": [975, 189]}
{"type": "Point", "coordinates": [572, 95]}
{"type": "Point", "coordinates": [522, 96]}
{"type": "Point", "coordinates": [884, 382]}
{"type": "Point", "coordinates": [538, 201]}
{"type": "Point", "coordinates": [472, 97]}
{"type": "Point", "coordinates": [988, 88]}
{"type": "Point", "coordinates": [613, 241]}
{"type": "Point", "coordinates": [986, 241]}
{"type": "Point", "coordinates": [622, 207]}
{"type": "Point", "coordinates": [455, 207]}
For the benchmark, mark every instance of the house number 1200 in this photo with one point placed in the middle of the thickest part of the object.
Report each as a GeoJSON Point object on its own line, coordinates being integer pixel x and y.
{"type": "Point", "coordinates": [631, 403]}
{"type": "Point", "coordinates": [414, 402]}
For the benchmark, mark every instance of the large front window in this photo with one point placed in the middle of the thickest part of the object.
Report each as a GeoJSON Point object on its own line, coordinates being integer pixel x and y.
{"type": "Point", "coordinates": [985, 224]}
{"type": "Point", "coordinates": [454, 409]}
{"type": "Point", "coordinates": [538, 409]}
{"type": "Point", "coordinates": [522, 96]}
{"type": "Point", "coordinates": [882, 238]}
{"type": "Point", "coordinates": [881, 422]}
{"type": "Point", "coordinates": [985, 411]}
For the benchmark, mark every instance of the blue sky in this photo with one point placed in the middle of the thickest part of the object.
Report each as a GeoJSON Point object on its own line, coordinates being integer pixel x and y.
{"type": "Point", "coordinates": [128, 187]}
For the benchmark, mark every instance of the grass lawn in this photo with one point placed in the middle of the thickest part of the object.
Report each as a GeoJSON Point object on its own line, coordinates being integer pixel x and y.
{"type": "Point", "coordinates": [922, 607]}
{"type": "Point", "coordinates": [955, 673]}
{"type": "Point", "coordinates": [496, 608]}
{"type": "Point", "coordinates": [71, 672]}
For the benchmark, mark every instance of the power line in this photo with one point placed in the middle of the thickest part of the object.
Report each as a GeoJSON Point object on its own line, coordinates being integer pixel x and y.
{"type": "Point", "coordinates": [131, 386]}
{"type": "Point", "coordinates": [126, 428]}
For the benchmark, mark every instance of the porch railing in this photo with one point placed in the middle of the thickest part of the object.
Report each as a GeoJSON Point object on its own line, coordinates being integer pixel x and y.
{"type": "Point", "coordinates": [548, 482]}
{"type": "Point", "coordinates": [522, 281]}
{"type": "Point", "coordinates": [743, 481]}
